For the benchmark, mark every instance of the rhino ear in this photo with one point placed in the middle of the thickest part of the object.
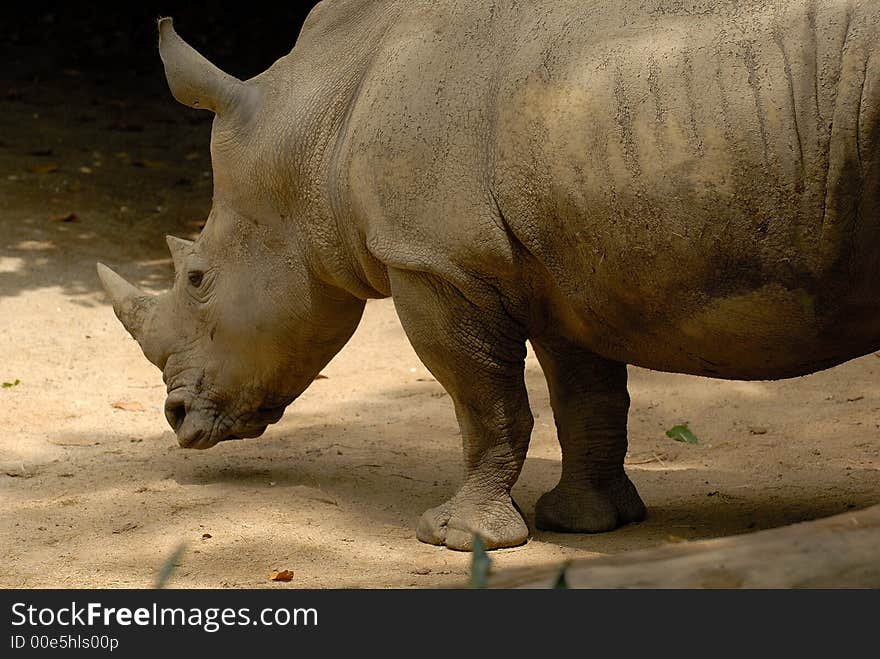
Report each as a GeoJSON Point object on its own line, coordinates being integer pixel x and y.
{"type": "Point", "coordinates": [196, 82]}
{"type": "Point", "coordinates": [179, 249]}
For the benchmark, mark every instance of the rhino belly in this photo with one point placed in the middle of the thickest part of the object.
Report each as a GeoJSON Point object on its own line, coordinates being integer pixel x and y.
{"type": "Point", "coordinates": [769, 333]}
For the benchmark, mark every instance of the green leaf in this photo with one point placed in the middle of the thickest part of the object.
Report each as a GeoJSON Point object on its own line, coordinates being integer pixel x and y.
{"type": "Point", "coordinates": [7, 385]}
{"type": "Point", "coordinates": [480, 563]}
{"type": "Point", "coordinates": [682, 434]}
{"type": "Point", "coordinates": [169, 566]}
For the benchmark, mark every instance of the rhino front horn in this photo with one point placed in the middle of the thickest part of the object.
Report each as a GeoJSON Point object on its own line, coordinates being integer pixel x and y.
{"type": "Point", "coordinates": [196, 82]}
{"type": "Point", "coordinates": [132, 305]}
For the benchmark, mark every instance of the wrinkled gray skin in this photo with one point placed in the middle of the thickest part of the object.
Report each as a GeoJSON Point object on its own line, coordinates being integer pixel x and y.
{"type": "Point", "coordinates": [684, 186]}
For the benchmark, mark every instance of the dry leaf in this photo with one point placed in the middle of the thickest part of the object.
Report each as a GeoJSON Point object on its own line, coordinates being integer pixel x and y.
{"type": "Point", "coordinates": [18, 474]}
{"type": "Point", "coordinates": [645, 459]}
{"type": "Point", "coordinates": [129, 406]}
{"type": "Point", "coordinates": [131, 526]}
{"type": "Point", "coordinates": [74, 440]}
{"type": "Point", "coordinates": [65, 217]}
{"type": "Point", "coordinates": [321, 376]}
{"type": "Point", "coordinates": [284, 575]}
{"type": "Point", "coordinates": [46, 169]}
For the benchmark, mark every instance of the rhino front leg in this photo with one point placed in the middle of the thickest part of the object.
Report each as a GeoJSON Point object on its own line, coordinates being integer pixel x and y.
{"type": "Point", "coordinates": [478, 355]}
{"type": "Point", "coordinates": [590, 405]}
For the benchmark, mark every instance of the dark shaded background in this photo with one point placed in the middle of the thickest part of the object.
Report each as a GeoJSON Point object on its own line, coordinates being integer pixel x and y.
{"type": "Point", "coordinates": [90, 131]}
{"type": "Point", "coordinates": [40, 40]}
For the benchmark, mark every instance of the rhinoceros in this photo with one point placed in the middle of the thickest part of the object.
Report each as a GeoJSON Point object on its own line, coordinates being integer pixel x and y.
{"type": "Point", "coordinates": [689, 186]}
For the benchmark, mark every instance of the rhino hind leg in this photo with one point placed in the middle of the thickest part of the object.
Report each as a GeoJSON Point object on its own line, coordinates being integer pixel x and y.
{"type": "Point", "coordinates": [478, 355]}
{"type": "Point", "coordinates": [590, 405]}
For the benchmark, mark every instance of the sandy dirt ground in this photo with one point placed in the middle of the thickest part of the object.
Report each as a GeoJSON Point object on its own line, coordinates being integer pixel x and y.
{"type": "Point", "coordinates": [96, 496]}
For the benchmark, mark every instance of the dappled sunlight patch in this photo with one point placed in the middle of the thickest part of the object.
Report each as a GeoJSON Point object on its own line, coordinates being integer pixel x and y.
{"type": "Point", "coordinates": [544, 446]}
{"type": "Point", "coordinates": [656, 462]}
{"type": "Point", "coordinates": [11, 264]}
{"type": "Point", "coordinates": [27, 456]}
{"type": "Point", "coordinates": [749, 389]}
{"type": "Point", "coordinates": [35, 245]}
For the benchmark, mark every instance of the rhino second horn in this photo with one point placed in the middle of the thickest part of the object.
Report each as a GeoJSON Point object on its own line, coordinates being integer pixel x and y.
{"type": "Point", "coordinates": [179, 249]}
{"type": "Point", "coordinates": [132, 305]}
{"type": "Point", "coordinates": [193, 80]}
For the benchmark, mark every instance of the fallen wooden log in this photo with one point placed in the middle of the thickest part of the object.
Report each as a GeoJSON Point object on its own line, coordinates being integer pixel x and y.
{"type": "Point", "coordinates": [842, 551]}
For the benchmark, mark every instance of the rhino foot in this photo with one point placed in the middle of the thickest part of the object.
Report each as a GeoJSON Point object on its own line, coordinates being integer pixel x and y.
{"type": "Point", "coordinates": [497, 521]}
{"type": "Point", "coordinates": [589, 508]}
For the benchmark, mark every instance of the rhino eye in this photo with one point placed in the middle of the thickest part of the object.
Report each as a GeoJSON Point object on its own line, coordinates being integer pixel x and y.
{"type": "Point", "coordinates": [195, 278]}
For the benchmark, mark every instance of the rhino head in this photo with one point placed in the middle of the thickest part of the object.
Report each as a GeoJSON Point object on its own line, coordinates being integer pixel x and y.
{"type": "Point", "coordinates": [247, 325]}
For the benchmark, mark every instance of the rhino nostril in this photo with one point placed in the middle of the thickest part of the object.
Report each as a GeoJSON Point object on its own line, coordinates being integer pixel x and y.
{"type": "Point", "coordinates": [175, 415]}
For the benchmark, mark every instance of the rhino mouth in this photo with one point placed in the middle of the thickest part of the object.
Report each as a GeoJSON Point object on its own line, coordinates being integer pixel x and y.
{"type": "Point", "coordinates": [198, 429]}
